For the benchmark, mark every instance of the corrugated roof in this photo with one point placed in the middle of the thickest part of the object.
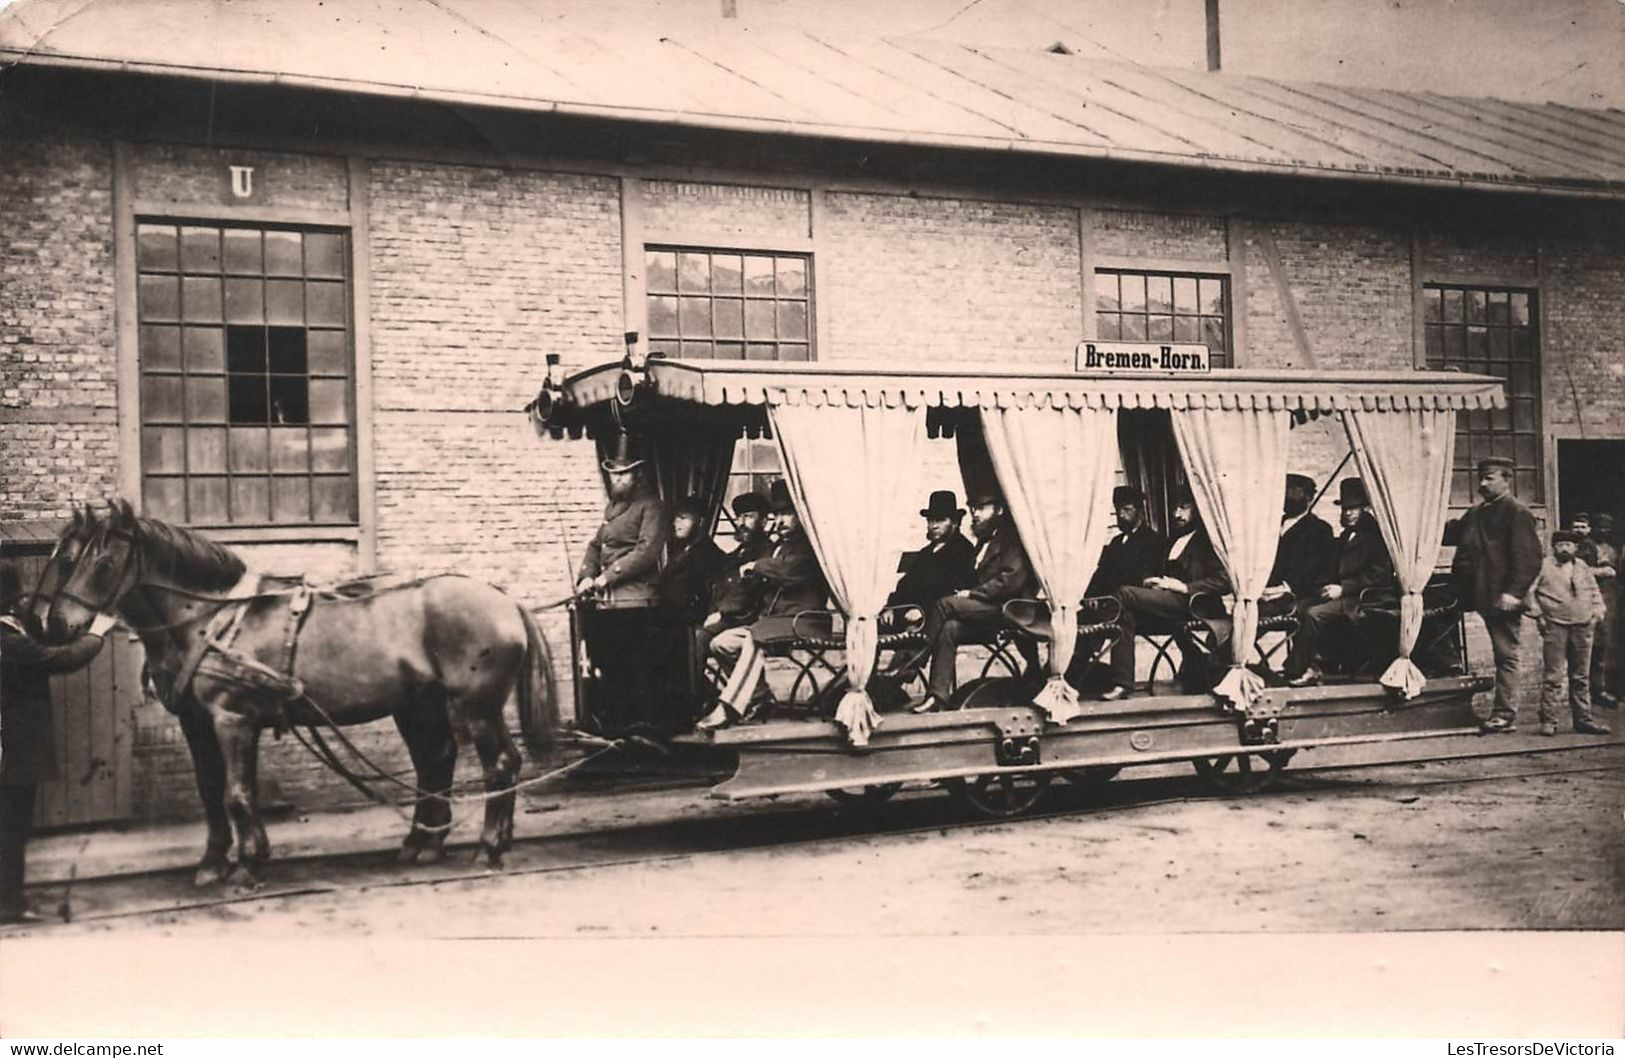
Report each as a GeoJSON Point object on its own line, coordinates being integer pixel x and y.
{"type": "Point", "coordinates": [915, 90]}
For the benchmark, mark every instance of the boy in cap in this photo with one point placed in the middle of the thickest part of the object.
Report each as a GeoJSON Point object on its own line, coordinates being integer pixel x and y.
{"type": "Point", "coordinates": [1497, 559]}
{"type": "Point", "coordinates": [1567, 607]}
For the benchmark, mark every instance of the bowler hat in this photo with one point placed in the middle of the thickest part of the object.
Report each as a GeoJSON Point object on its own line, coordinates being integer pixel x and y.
{"type": "Point", "coordinates": [1496, 463]}
{"type": "Point", "coordinates": [1351, 493]}
{"type": "Point", "coordinates": [1302, 481]}
{"type": "Point", "coordinates": [689, 505]}
{"type": "Point", "coordinates": [1127, 496]}
{"type": "Point", "coordinates": [942, 505]}
{"type": "Point", "coordinates": [1562, 536]}
{"type": "Point", "coordinates": [778, 497]}
{"type": "Point", "coordinates": [748, 502]}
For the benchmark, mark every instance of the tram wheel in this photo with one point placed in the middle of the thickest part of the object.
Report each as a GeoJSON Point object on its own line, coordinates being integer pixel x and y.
{"type": "Point", "coordinates": [1243, 773]}
{"type": "Point", "coordinates": [1092, 776]}
{"type": "Point", "coordinates": [1000, 796]}
{"type": "Point", "coordinates": [867, 797]}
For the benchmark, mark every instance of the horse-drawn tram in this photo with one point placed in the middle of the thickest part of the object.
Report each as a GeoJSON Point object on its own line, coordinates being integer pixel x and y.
{"type": "Point", "coordinates": [841, 700]}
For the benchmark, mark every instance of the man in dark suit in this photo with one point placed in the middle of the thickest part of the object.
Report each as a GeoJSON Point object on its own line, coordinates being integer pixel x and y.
{"type": "Point", "coordinates": [1134, 553]}
{"type": "Point", "coordinates": [27, 752]}
{"type": "Point", "coordinates": [693, 561]}
{"type": "Point", "coordinates": [1362, 561]}
{"type": "Point", "coordinates": [945, 564]}
{"type": "Point", "coordinates": [1002, 573]}
{"type": "Point", "coordinates": [750, 532]}
{"type": "Point", "coordinates": [1161, 603]}
{"type": "Point", "coordinates": [1497, 559]}
{"type": "Point", "coordinates": [772, 591]}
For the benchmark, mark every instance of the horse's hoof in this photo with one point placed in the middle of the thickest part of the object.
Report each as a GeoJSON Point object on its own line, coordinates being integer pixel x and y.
{"type": "Point", "coordinates": [432, 854]}
{"type": "Point", "coordinates": [243, 880]}
{"type": "Point", "coordinates": [408, 855]}
{"type": "Point", "coordinates": [209, 874]}
{"type": "Point", "coordinates": [493, 859]}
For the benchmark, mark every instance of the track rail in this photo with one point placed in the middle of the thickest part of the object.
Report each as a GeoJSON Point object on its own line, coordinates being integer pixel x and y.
{"type": "Point", "coordinates": [762, 829]}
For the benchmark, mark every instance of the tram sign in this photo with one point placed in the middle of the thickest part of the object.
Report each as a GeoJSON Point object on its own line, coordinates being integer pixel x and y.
{"type": "Point", "coordinates": [1144, 358]}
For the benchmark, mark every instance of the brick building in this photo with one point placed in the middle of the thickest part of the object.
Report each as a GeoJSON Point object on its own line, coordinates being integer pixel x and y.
{"type": "Point", "coordinates": [300, 301]}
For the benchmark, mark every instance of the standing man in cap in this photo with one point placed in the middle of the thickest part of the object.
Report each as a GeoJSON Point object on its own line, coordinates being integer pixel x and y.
{"type": "Point", "coordinates": [1161, 602]}
{"type": "Point", "coordinates": [1580, 526]}
{"type": "Point", "coordinates": [1497, 559]}
{"type": "Point", "coordinates": [1567, 607]}
{"type": "Point", "coordinates": [1361, 561]}
{"type": "Point", "coordinates": [1002, 572]}
{"type": "Point", "coordinates": [616, 583]}
{"type": "Point", "coordinates": [27, 752]}
{"type": "Point", "coordinates": [1605, 648]}
{"type": "Point", "coordinates": [947, 562]}
{"type": "Point", "coordinates": [773, 589]}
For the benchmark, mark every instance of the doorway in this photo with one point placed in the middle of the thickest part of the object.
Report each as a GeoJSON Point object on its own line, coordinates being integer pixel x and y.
{"type": "Point", "coordinates": [1591, 478]}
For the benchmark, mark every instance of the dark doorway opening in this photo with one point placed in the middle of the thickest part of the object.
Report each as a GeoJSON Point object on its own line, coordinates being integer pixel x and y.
{"type": "Point", "coordinates": [1591, 478]}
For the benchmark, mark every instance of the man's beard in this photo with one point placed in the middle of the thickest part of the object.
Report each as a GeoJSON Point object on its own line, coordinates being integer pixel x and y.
{"type": "Point", "coordinates": [1560, 557]}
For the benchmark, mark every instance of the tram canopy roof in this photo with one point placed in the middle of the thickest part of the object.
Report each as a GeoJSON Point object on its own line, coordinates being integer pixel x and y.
{"type": "Point", "coordinates": [722, 383]}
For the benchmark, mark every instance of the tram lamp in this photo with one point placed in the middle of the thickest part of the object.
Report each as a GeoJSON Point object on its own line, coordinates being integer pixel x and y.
{"type": "Point", "coordinates": [552, 370]}
{"type": "Point", "coordinates": [635, 356]}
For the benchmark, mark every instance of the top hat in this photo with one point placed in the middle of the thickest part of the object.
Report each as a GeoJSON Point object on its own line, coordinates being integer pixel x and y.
{"type": "Point", "coordinates": [942, 505]}
{"type": "Point", "coordinates": [622, 460]}
{"type": "Point", "coordinates": [1496, 463]}
{"type": "Point", "coordinates": [1183, 494]}
{"type": "Point", "coordinates": [778, 498]}
{"type": "Point", "coordinates": [1351, 493]}
{"type": "Point", "coordinates": [748, 502]}
{"type": "Point", "coordinates": [981, 495]}
{"type": "Point", "coordinates": [1562, 536]}
{"type": "Point", "coordinates": [1303, 481]}
{"type": "Point", "coordinates": [1127, 496]}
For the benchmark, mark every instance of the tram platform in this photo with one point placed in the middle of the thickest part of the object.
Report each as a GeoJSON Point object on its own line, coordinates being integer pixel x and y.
{"type": "Point", "coordinates": [620, 795]}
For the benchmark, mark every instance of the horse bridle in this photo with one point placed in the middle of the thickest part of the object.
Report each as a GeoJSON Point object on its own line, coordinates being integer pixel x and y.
{"type": "Point", "coordinates": [122, 585]}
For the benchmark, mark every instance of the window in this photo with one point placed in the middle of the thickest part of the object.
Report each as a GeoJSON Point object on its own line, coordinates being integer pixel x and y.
{"type": "Point", "coordinates": [1164, 307]}
{"type": "Point", "coordinates": [245, 364]}
{"type": "Point", "coordinates": [726, 305]}
{"type": "Point", "coordinates": [1490, 331]}
{"type": "Point", "coordinates": [732, 305]}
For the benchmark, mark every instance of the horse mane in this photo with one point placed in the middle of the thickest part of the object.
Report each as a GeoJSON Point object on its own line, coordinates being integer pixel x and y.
{"type": "Point", "coordinates": [193, 560]}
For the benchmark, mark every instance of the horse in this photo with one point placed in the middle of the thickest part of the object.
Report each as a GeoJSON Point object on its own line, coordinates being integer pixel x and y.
{"type": "Point", "coordinates": [232, 654]}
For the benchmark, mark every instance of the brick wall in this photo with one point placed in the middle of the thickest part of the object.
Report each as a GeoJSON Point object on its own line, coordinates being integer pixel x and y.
{"type": "Point", "coordinates": [1584, 344]}
{"type": "Point", "coordinates": [190, 176]}
{"type": "Point", "coordinates": [1169, 235]}
{"type": "Point", "coordinates": [725, 210]}
{"type": "Point", "coordinates": [57, 361]}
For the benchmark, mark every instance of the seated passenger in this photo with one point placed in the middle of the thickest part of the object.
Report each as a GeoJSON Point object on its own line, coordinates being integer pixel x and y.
{"type": "Point", "coordinates": [771, 591]}
{"type": "Point", "coordinates": [1362, 562]}
{"type": "Point", "coordinates": [946, 564]}
{"type": "Point", "coordinates": [750, 531]}
{"type": "Point", "coordinates": [1136, 551]}
{"type": "Point", "coordinates": [693, 562]}
{"type": "Point", "coordinates": [1002, 573]}
{"type": "Point", "coordinates": [1161, 603]}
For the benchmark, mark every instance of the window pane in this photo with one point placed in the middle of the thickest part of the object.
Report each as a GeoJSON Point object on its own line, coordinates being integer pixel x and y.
{"type": "Point", "coordinates": [1475, 306]}
{"type": "Point", "coordinates": [245, 350]}
{"type": "Point", "coordinates": [1213, 333]}
{"type": "Point", "coordinates": [665, 349]}
{"type": "Point", "coordinates": [205, 349]}
{"type": "Point", "coordinates": [163, 449]}
{"type": "Point", "coordinates": [795, 351]}
{"type": "Point", "coordinates": [1499, 343]}
{"type": "Point", "coordinates": [206, 501]}
{"type": "Point", "coordinates": [1108, 326]}
{"type": "Point", "coordinates": [325, 353]}
{"type": "Point", "coordinates": [156, 248]}
{"type": "Point", "coordinates": [243, 255]}
{"type": "Point", "coordinates": [730, 350]}
{"type": "Point", "coordinates": [164, 499]}
{"type": "Point", "coordinates": [160, 399]}
{"type": "Point", "coordinates": [1134, 328]}
{"type": "Point", "coordinates": [1455, 345]}
{"type": "Point", "coordinates": [245, 301]}
{"type": "Point", "coordinates": [290, 399]}
{"type": "Point", "coordinates": [759, 319]}
{"type": "Point", "coordinates": [324, 304]}
{"type": "Point", "coordinates": [761, 351]}
{"type": "Point", "coordinates": [159, 298]}
{"type": "Point", "coordinates": [759, 276]}
{"type": "Point", "coordinates": [1496, 310]}
{"type": "Point", "coordinates": [1159, 293]}
{"type": "Point", "coordinates": [1523, 414]}
{"type": "Point", "coordinates": [1185, 295]}
{"type": "Point", "coordinates": [200, 300]}
{"type": "Point", "coordinates": [286, 350]}
{"type": "Point", "coordinates": [206, 450]}
{"type": "Point", "coordinates": [693, 273]}
{"type": "Point", "coordinates": [206, 399]}
{"type": "Point", "coordinates": [1106, 291]}
{"type": "Point", "coordinates": [1213, 300]}
{"type": "Point", "coordinates": [1520, 308]}
{"type": "Point", "coordinates": [697, 351]}
{"type": "Point", "coordinates": [1160, 329]}
{"type": "Point", "coordinates": [727, 274]}
{"type": "Point", "coordinates": [1133, 287]}
{"type": "Point", "coordinates": [250, 501]}
{"type": "Point", "coordinates": [1431, 310]}
{"type": "Point", "coordinates": [327, 401]}
{"type": "Point", "coordinates": [694, 317]}
{"type": "Point", "coordinates": [1187, 329]}
{"type": "Point", "coordinates": [290, 499]}
{"type": "Point", "coordinates": [160, 348]}
{"type": "Point", "coordinates": [284, 302]}
{"type": "Point", "coordinates": [324, 254]}
{"type": "Point", "coordinates": [1453, 306]}
{"type": "Point", "coordinates": [249, 399]}
{"type": "Point", "coordinates": [330, 448]}
{"type": "Point", "coordinates": [660, 271]}
{"type": "Point", "coordinates": [793, 320]}
{"type": "Point", "coordinates": [289, 449]}
{"type": "Point", "coordinates": [1523, 344]}
{"type": "Point", "coordinates": [249, 449]}
{"type": "Point", "coordinates": [730, 317]}
{"type": "Point", "coordinates": [1434, 341]}
{"type": "Point", "coordinates": [663, 316]}
{"type": "Point", "coordinates": [792, 277]}
{"type": "Point", "coordinates": [200, 249]}
{"type": "Point", "coordinates": [283, 253]}
{"type": "Point", "coordinates": [331, 499]}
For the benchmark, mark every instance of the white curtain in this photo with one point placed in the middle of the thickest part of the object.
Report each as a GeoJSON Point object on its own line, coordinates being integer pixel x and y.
{"type": "Point", "coordinates": [1405, 458]}
{"type": "Point", "coordinates": [854, 474]}
{"type": "Point", "coordinates": [1056, 467]}
{"type": "Point", "coordinates": [1236, 460]}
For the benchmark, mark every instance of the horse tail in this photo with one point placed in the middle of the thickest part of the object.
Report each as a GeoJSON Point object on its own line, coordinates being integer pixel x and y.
{"type": "Point", "coordinates": [538, 694]}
